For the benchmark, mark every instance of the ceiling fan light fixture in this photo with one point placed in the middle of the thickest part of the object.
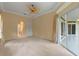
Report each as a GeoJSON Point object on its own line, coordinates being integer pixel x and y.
{"type": "Point", "coordinates": [33, 8]}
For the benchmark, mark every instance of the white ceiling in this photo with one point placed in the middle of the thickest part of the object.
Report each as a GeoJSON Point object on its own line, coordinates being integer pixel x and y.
{"type": "Point", "coordinates": [21, 8]}
{"type": "Point", "coordinates": [73, 13]}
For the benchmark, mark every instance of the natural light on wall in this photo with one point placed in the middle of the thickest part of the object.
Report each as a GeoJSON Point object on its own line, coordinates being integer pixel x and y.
{"type": "Point", "coordinates": [20, 29]}
{"type": "Point", "coordinates": [77, 19]}
{"type": "Point", "coordinates": [0, 27]}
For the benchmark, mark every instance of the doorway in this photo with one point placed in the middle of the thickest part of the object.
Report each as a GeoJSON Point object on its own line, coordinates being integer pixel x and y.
{"type": "Point", "coordinates": [67, 35]}
{"type": "Point", "coordinates": [0, 27]}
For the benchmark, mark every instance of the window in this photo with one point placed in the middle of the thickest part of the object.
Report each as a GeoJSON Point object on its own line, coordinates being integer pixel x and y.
{"type": "Point", "coordinates": [71, 28]}
{"type": "Point", "coordinates": [62, 28]}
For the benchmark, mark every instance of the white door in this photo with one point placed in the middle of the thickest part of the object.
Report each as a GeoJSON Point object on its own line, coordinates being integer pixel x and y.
{"type": "Point", "coordinates": [72, 37]}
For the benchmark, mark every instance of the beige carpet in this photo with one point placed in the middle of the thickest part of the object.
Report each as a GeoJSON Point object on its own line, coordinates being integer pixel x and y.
{"type": "Point", "coordinates": [33, 47]}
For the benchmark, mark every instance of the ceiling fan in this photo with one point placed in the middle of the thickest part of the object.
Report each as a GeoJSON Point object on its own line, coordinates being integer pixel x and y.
{"type": "Point", "coordinates": [33, 9]}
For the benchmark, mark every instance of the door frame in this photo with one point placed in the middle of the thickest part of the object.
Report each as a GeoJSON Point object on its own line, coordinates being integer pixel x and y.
{"type": "Point", "coordinates": [58, 29]}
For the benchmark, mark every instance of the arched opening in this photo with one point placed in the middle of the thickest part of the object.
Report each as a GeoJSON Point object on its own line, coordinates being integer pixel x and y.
{"type": "Point", "coordinates": [20, 30]}
{"type": "Point", "coordinates": [1, 25]}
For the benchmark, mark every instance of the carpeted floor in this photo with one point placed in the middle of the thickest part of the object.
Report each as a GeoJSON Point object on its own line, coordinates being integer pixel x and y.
{"type": "Point", "coordinates": [33, 47]}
